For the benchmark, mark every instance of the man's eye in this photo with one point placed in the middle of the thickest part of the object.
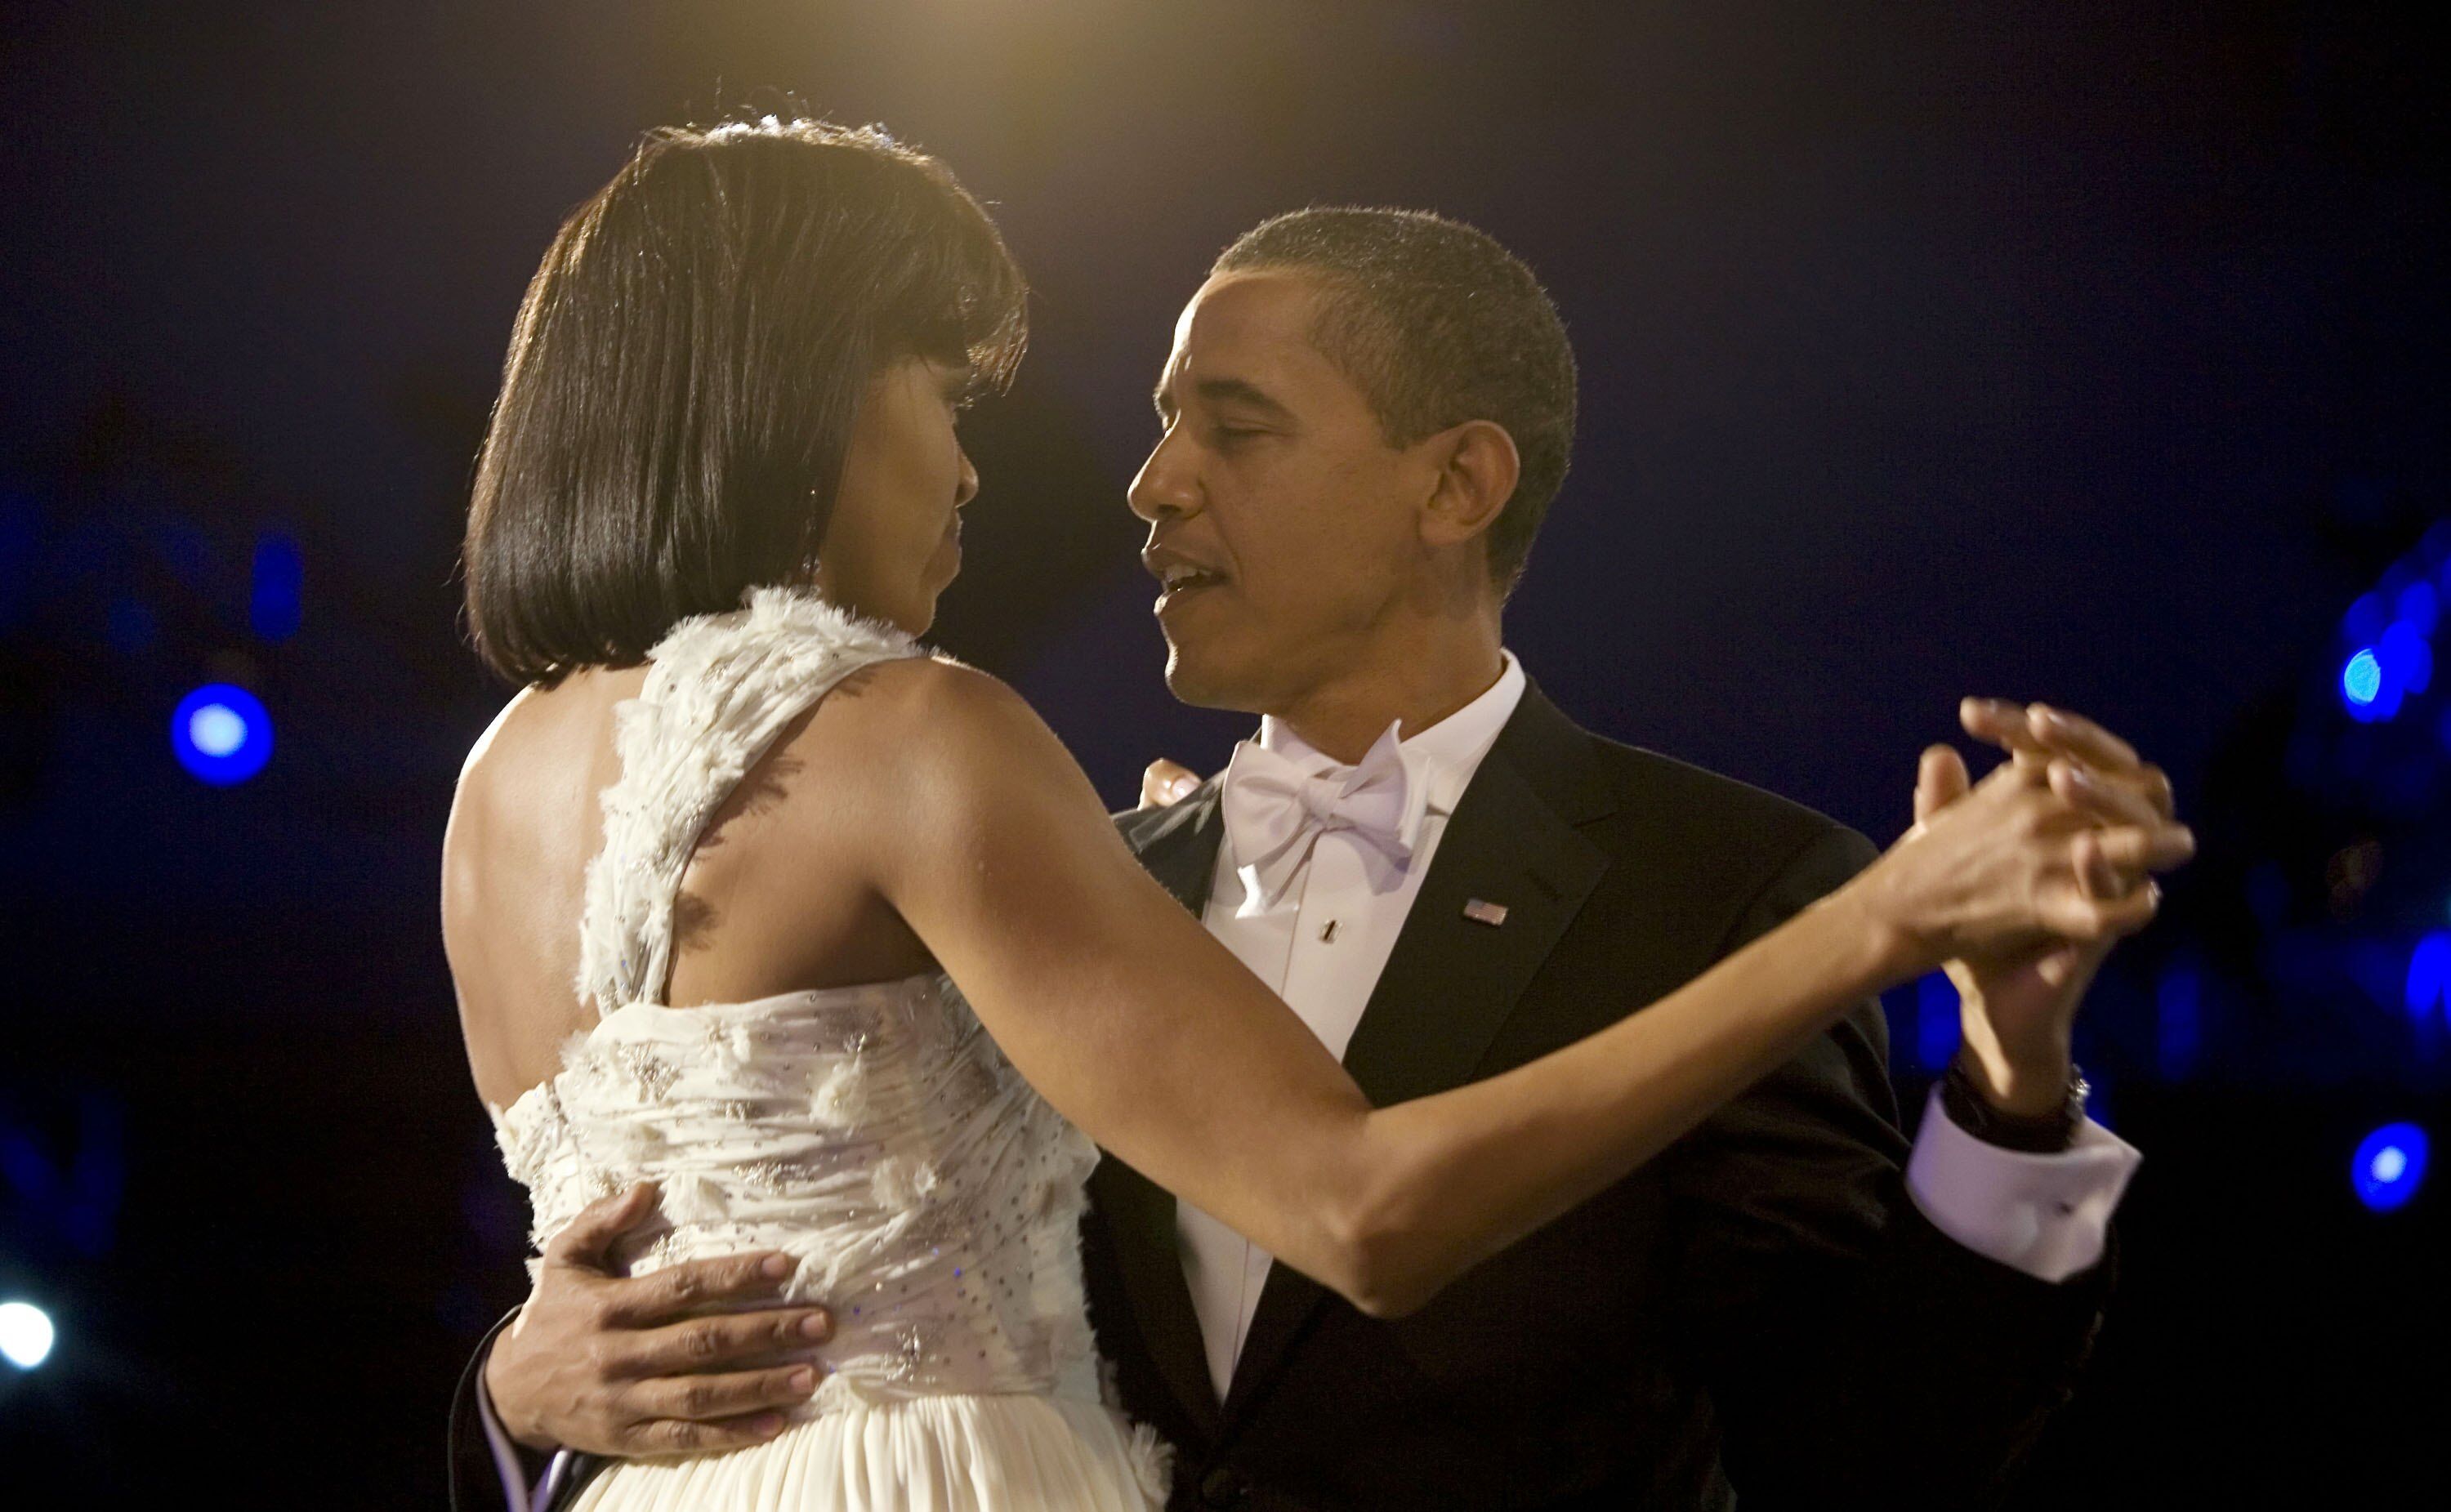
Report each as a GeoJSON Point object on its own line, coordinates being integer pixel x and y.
{"type": "Point", "coordinates": [1234, 433]}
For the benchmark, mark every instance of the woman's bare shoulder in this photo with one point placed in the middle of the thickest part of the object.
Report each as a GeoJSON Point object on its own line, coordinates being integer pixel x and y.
{"type": "Point", "coordinates": [918, 753]}
{"type": "Point", "coordinates": [505, 765]}
{"type": "Point", "coordinates": [913, 716]}
{"type": "Point", "coordinates": [480, 757]}
{"type": "Point", "coordinates": [481, 775]}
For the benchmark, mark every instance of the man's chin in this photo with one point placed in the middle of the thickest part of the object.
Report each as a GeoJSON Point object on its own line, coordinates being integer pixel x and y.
{"type": "Point", "coordinates": [1203, 684]}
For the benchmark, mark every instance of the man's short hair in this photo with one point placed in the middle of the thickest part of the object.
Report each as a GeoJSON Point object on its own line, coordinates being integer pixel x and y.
{"type": "Point", "coordinates": [1436, 325]}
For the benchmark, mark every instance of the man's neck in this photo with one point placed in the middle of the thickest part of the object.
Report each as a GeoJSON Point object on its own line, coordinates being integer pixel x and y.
{"type": "Point", "coordinates": [1341, 720]}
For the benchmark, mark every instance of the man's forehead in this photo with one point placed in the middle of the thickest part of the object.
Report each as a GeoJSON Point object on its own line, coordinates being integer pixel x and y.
{"type": "Point", "coordinates": [1254, 316]}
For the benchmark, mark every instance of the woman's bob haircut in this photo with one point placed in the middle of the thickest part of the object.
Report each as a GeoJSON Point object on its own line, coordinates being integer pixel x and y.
{"type": "Point", "coordinates": [685, 370]}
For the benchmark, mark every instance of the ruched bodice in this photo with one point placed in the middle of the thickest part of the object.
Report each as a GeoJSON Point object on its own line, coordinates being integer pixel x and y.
{"type": "Point", "coordinates": [875, 1134]}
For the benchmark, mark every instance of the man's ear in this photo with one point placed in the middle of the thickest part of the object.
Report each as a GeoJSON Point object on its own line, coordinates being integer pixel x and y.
{"type": "Point", "coordinates": [1477, 467]}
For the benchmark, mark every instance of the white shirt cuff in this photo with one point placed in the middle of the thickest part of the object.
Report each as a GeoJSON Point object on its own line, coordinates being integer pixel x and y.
{"type": "Point", "coordinates": [2046, 1215]}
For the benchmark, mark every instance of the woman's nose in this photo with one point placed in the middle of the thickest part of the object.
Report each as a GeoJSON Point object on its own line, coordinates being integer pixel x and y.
{"type": "Point", "coordinates": [966, 484]}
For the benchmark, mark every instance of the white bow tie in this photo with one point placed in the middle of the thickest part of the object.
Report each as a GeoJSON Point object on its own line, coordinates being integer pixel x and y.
{"type": "Point", "coordinates": [1276, 810]}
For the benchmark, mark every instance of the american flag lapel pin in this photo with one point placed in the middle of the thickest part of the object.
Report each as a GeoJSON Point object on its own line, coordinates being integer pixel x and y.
{"type": "Point", "coordinates": [1480, 910]}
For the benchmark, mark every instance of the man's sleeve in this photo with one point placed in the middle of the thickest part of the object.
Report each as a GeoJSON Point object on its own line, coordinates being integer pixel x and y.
{"type": "Point", "coordinates": [2046, 1215]}
{"type": "Point", "coordinates": [1856, 1354]}
{"type": "Point", "coordinates": [486, 1464]}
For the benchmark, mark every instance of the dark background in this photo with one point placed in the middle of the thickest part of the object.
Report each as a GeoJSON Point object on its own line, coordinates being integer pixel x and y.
{"type": "Point", "coordinates": [2092, 352]}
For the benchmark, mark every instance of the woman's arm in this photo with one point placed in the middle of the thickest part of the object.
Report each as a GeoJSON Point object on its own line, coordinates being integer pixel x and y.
{"type": "Point", "coordinates": [1144, 1030]}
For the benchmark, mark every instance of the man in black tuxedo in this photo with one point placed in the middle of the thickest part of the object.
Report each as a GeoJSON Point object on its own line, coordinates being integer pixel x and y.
{"type": "Point", "coordinates": [1446, 877]}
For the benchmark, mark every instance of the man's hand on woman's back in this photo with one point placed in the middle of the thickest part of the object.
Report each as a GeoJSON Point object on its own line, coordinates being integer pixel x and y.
{"type": "Point", "coordinates": [661, 1364]}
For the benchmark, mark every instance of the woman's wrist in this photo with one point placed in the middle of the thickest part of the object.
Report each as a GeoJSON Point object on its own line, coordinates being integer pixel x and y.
{"type": "Point", "coordinates": [1884, 952]}
{"type": "Point", "coordinates": [1874, 951]}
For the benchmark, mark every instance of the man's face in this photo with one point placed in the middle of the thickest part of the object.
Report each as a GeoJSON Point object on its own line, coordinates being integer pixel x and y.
{"type": "Point", "coordinates": [1283, 527]}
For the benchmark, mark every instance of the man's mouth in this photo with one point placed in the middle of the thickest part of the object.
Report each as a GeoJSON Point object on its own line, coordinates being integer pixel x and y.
{"type": "Point", "coordinates": [1178, 581]}
{"type": "Point", "coordinates": [1179, 575]}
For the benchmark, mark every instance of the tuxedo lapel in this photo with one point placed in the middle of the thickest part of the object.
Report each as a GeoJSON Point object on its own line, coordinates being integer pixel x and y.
{"type": "Point", "coordinates": [1178, 846]}
{"type": "Point", "coordinates": [1453, 977]}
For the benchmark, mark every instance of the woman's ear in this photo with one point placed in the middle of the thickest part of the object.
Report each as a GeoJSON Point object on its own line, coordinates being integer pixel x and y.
{"type": "Point", "coordinates": [1477, 467]}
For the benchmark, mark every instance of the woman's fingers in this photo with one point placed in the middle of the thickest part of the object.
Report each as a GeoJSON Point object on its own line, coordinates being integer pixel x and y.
{"type": "Point", "coordinates": [2137, 850]}
{"type": "Point", "coordinates": [2095, 876]}
{"type": "Point", "coordinates": [2155, 784]}
{"type": "Point", "coordinates": [2003, 723]}
{"type": "Point", "coordinates": [2109, 892]}
{"type": "Point", "coordinates": [2106, 798]}
{"type": "Point", "coordinates": [2034, 734]}
{"type": "Point", "coordinates": [1940, 781]}
{"type": "Point", "coordinates": [2079, 736]}
{"type": "Point", "coordinates": [2066, 912]}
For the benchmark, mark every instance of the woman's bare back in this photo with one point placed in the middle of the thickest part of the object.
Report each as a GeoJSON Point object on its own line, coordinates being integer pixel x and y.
{"type": "Point", "coordinates": [759, 911]}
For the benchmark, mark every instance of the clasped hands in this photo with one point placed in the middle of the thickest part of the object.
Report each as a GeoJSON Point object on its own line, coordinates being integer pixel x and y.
{"type": "Point", "coordinates": [2016, 1011]}
{"type": "Point", "coordinates": [706, 1355]}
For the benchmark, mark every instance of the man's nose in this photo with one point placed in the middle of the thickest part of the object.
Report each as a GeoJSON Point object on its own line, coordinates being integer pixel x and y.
{"type": "Point", "coordinates": [1164, 487]}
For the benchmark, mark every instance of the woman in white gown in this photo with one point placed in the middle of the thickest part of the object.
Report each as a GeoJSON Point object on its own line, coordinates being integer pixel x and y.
{"type": "Point", "coordinates": [765, 836]}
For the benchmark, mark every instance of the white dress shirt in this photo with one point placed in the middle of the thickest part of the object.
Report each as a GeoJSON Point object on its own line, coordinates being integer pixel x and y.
{"type": "Point", "coordinates": [1322, 942]}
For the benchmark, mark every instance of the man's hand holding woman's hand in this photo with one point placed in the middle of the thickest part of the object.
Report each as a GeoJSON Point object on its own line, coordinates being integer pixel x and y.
{"type": "Point", "coordinates": [663, 1364]}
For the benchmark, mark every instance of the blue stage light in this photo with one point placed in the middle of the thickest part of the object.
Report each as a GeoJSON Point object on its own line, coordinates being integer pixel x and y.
{"type": "Point", "coordinates": [2420, 606]}
{"type": "Point", "coordinates": [2361, 679]}
{"type": "Point", "coordinates": [2429, 974]}
{"type": "Point", "coordinates": [2389, 1166]}
{"type": "Point", "coordinates": [222, 734]}
{"type": "Point", "coordinates": [2407, 660]}
{"type": "Point", "coordinates": [2365, 618]}
{"type": "Point", "coordinates": [26, 1334]}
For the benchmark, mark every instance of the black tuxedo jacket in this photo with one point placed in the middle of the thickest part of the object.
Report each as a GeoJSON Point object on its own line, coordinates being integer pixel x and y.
{"type": "Point", "coordinates": [1759, 1310]}
{"type": "Point", "coordinates": [1760, 1304]}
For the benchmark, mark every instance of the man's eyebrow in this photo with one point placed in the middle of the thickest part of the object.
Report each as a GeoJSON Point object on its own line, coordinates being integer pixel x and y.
{"type": "Point", "coordinates": [1240, 391]}
{"type": "Point", "coordinates": [1223, 391]}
